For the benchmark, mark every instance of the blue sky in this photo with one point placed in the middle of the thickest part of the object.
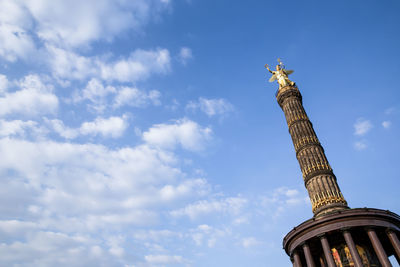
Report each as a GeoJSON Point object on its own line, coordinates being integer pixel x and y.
{"type": "Point", "coordinates": [145, 133]}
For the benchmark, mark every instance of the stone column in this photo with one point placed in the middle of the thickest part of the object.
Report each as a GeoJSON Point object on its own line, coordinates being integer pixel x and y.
{"type": "Point", "coordinates": [380, 252]}
{"type": "Point", "coordinates": [352, 248]}
{"type": "Point", "coordinates": [297, 261]}
{"type": "Point", "coordinates": [321, 184]}
{"type": "Point", "coordinates": [395, 243]}
{"type": "Point", "coordinates": [327, 251]}
{"type": "Point", "coordinates": [307, 254]}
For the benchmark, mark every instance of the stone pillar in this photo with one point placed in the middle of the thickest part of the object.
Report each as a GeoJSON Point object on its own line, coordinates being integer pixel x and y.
{"type": "Point", "coordinates": [380, 252]}
{"type": "Point", "coordinates": [395, 243]}
{"type": "Point", "coordinates": [321, 184]}
{"type": "Point", "coordinates": [327, 251]}
{"type": "Point", "coordinates": [307, 254]}
{"type": "Point", "coordinates": [352, 248]}
{"type": "Point", "coordinates": [297, 261]}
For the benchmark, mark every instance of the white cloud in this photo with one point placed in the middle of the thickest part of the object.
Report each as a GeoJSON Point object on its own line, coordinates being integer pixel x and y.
{"type": "Point", "coordinates": [362, 127]}
{"type": "Point", "coordinates": [46, 248]}
{"type": "Point", "coordinates": [283, 198]}
{"type": "Point", "coordinates": [134, 97]}
{"type": "Point", "coordinates": [174, 105]}
{"type": "Point", "coordinates": [100, 96]}
{"type": "Point", "coordinates": [15, 227]}
{"type": "Point", "coordinates": [241, 220]}
{"type": "Point", "coordinates": [386, 124]}
{"type": "Point", "coordinates": [13, 13]}
{"type": "Point", "coordinates": [34, 98]}
{"type": "Point", "coordinates": [232, 205]}
{"type": "Point", "coordinates": [59, 127]}
{"type": "Point", "coordinates": [75, 187]}
{"type": "Point", "coordinates": [4, 83]}
{"type": "Point", "coordinates": [107, 127]}
{"type": "Point", "coordinates": [211, 107]}
{"type": "Point", "coordinates": [20, 128]}
{"type": "Point", "coordinates": [15, 41]}
{"type": "Point", "coordinates": [96, 93]}
{"type": "Point", "coordinates": [184, 132]}
{"type": "Point", "coordinates": [185, 54]}
{"type": "Point", "coordinates": [205, 234]}
{"type": "Point", "coordinates": [185, 189]}
{"type": "Point", "coordinates": [75, 23]}
{"type": "Point", "coordinates": [69, 65]}
{"type": "Point", "coordinates": [250, 242]}
{"type": "Point", "coordinates": [111, 127]}
{"type": "Point", "coordinates": [360, 145]}
{"type": "Point", "coordinates": [68, 23]}
{"type": "Point", "coordinates": [138, 66]}
{"type": "Point", "coordinates": [156, 235]}
{"type": "Point", "coordinates": [164, 259]}
{"type": "Point", "coordinates": [201, 235]}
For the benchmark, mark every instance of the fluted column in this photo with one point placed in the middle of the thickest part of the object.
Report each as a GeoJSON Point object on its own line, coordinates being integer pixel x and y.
{"type": "Point", "coordinates": [380, 252]}
{"type": "Point", "coordinates": [353, 250]}
{"type": "Point", "coordinates": [327, 251]}
{"type": "Point", "coordinates": [395, 243]}
{"type": "Point", "coordinates": [296, 259]}
{"type": "Point", "coordinates": [323, 190]}
{"type": "Point", "coordinates": [308, 255]}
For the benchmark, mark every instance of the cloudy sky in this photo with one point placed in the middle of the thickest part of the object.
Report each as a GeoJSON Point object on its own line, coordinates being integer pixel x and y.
{"type": "Point", "coordinates": [144, 133]}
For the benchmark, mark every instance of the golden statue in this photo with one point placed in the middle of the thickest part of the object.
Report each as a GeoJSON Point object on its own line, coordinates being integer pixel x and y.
{"type": "Point", "coordinates": [281, 75]}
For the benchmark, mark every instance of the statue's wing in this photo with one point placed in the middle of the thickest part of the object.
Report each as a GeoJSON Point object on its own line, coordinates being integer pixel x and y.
{"type": "Point", "coordinates": [289, 71]}
{"type": "Point", "coordinates": [273, 78]}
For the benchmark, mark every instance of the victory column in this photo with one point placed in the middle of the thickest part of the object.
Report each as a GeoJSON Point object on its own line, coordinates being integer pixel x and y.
{"type": "Point", "coordinates": [336, 235]}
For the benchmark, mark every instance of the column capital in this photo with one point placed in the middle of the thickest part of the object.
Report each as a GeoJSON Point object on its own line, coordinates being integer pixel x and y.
{"type": "Point", "coordinates": [390, 230]}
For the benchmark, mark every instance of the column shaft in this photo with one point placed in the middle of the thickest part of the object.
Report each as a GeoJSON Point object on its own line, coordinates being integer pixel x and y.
{"type": "Point", "coordinates": [321, 184]}
{"type": "Point", "coordinates": [395, 243]}
{"type": "Point", "coordinates": [296, 258]}
{"type": "Point", "coordinates": [380, 252]}
{"type": "Point", "coordinates": [353, 249]}
{"type": "Point", "coordinates": [327, 251]}
{"type": "Point", "coordinates": [307, 254]}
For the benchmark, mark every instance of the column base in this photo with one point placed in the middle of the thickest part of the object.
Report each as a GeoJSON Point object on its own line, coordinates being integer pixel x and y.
{"type": "Point", "coordinates": [332, 225]}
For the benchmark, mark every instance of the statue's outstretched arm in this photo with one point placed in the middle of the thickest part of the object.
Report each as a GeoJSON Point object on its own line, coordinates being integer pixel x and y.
{"type": "Point", "coordinates": [267, 67]}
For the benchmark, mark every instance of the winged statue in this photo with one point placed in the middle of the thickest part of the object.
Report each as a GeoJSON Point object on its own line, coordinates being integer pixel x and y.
{"type": "Point", "coordinates": [281, 75]}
